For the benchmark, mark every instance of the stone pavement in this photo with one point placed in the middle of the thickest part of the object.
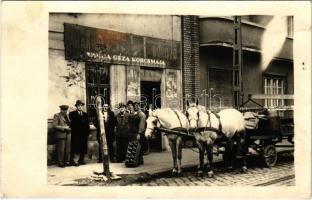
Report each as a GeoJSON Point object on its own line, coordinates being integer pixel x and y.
{"type": "Point", "coordinates": [154, 163]}
{"type": "Point", "coordinates": [282, 174]}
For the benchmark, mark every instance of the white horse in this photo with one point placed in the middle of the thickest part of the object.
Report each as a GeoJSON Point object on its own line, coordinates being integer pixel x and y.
{"type": "Point", "coordinates": [228, 124]}
{"type": "Point", "coordinates": [169, 119]}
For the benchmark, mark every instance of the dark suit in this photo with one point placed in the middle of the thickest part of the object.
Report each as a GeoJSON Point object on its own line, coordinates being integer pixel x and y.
{"type": "Point", "coordinates": [80, 131]}
{"type": "Point", "coordinates": [122, 135]}
{"type": "Point", "coordinates": [137, 123]}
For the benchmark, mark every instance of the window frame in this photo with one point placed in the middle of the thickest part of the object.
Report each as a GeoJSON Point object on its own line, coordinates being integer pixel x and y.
{"type": "Point", "coordinates": [96, 84]}
{"type": "Point", "coordinates": [290, 26]}
{"type": "Point", "coordinates": [274, 85]}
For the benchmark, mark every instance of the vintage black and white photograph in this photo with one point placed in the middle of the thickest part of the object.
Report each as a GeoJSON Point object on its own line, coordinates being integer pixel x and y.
{"type": "Point", "coordinates": [170, 100]}
{"type": "Point", "coordinates": [152, 99]}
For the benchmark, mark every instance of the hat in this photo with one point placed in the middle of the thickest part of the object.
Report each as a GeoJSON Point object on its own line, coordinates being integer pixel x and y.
{"type": "Point", "coordinates": [64, 107]}
{"type": "Point", "coordinates": [105, 105]}
{"type": "Point", "coordinates": [130, 102]}
{"type": "Point", "coordinates": [78, 102]}
{"type": "Point", "coordinates": [121, 105]}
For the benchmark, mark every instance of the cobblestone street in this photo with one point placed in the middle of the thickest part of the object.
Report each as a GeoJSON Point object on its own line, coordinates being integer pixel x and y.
{"type": "Point", "coordinates": [281, 174]}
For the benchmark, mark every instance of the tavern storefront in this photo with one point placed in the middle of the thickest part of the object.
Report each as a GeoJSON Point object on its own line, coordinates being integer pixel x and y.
{"type": "Point", "coordinates": [85, 62]}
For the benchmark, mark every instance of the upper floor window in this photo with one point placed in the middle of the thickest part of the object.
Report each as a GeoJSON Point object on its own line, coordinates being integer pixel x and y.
{"type": "Point", "coordinates": [274, 86]}
{"type": "Point", "coordinates": [290, 26]}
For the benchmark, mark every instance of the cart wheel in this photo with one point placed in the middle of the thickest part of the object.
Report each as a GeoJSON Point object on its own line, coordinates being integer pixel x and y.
{"type": "Point", "coordinates": [269, 155]}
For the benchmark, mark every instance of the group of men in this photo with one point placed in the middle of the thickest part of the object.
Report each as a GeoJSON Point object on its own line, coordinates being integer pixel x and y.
{"type": "Point", "coordinates": [127, 125]}
{"type": "Point", "coordinates": [72, 132]}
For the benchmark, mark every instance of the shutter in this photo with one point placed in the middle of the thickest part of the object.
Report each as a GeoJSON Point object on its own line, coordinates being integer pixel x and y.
{"type": "Point", "coordinates": [221, 82]}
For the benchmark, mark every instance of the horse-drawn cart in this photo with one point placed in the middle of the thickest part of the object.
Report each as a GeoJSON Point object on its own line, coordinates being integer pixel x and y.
{"type": "Point", "coordinates": [234, 133]}
{"type": "Point", "coordinates": [274, 128]}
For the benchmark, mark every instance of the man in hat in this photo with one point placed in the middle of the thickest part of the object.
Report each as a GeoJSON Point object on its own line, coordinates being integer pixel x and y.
{"type": "Point", "coordinates": [130, 107]}
{"type": "Point", "coordinates": [122, 131]}
{"type": "Point", "coordinates": [62, 132]}
{"type": "Point", "coordinates": [80, 131]}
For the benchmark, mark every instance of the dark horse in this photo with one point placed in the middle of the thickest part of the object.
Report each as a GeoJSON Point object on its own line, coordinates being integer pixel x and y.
{"type": "Point", "coordinates": [209, 127]}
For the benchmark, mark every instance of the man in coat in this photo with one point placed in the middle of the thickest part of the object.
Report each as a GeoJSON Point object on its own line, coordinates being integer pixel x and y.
{"type": "Point", "coordinates": [109, 124]}
{"type": "Point", "coordinates": [80, 131]}
{"type": "Point", "coordinates": [141, 126]}
{"type": "Point", "coordinates": [62, 133]}
{"type": "Point", "coordinates": [122, 131]}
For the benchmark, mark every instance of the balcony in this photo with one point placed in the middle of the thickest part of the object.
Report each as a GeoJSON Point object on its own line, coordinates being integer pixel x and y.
{"type": "Point", "coordinates": [218, 31]}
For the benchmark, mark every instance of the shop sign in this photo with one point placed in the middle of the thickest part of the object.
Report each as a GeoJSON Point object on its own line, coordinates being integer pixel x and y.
{"type": "Point", "coordinates": [100, 45]}
{"type": "Point", "coordinates": [121, 59]}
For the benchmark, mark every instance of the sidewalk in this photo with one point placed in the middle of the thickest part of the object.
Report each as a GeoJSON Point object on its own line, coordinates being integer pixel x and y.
{"type": "Point", "coordinates": [155, 162]}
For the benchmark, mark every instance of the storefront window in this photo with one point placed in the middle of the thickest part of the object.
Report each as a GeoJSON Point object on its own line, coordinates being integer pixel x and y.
{"type": "Point", "coordinates": [97, 84]}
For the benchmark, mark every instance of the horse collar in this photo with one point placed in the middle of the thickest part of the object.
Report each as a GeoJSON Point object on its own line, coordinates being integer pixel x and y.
{"type": "Point", "coordinates": [178, 117]}
{"type": "Point", "coordinates": [218, 117]}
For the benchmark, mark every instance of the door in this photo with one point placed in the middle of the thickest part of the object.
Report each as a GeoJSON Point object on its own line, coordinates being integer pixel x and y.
{"type": "Point", "coordinates": [150, 98]}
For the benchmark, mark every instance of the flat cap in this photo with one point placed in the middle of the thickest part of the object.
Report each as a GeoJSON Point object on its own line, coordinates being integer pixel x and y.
{"type": "Point", "coordinates": [64, 107]}
{"type": "Point", "coordinates": [121, 105]}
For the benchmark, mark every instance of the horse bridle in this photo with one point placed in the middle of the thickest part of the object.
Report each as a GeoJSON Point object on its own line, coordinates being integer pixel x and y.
{"type": "Point", "coordinates": [153, 129]}
{"type": "Point", "coordinates": [190, 119]}
{"type": "Point", "coordinates": [208, 120]}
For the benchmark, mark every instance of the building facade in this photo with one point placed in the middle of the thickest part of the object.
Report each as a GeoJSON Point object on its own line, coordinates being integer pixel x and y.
{"type": "Point", "coordinates": [267, 60]}
{"type": "Point", "coordinates": [119, 57]}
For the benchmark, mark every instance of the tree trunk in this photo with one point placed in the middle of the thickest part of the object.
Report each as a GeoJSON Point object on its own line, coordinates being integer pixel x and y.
{"type": "Point", "coordinates": [103, 142]}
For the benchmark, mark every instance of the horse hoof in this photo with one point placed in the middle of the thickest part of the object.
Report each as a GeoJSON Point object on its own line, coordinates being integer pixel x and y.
{"type": "Point", "coordinates": [244, 169]}
{"type": "Point", "coordinates": [229, 168]}
{"type": "Point", "coordinates": [210, 174]}
{"type": "Point", "coordinates": [179, 174]}
{"type": "Point", "coordinates": [200, 173]}
{"type": "Point", "coordinates": [174, 173]}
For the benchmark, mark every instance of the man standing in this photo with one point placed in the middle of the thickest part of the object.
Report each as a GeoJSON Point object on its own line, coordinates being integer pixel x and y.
{"type": "Point", "coordinates": [62, 132]}
{"type": "Point", "coordinates": [130, 107]}
{"type": "Point", "coordinates": [122, 130]}
{"type": "Point", "coordinates": [141, 120]}
{"type": "Point", "coordinates": [80, 130]}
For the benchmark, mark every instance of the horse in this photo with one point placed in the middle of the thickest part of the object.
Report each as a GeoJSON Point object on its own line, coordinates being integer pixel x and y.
{"type": "Point", "coordinates": [209, 127]}
{"type": "Point", "coordinates": [169, 119]}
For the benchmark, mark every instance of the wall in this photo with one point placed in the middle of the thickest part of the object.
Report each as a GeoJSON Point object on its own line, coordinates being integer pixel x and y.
{"type": "Point", "coordinates": [190, 56]}
{"type": "Point", "coordinates": [159, 26]}
{"type": "Point", "coordinates": [220, 30]}
{"type": "Point", "coordinates": [221, 58]}
{"type": "Point", "coordinates": [59, 91]}
{"type": "Point", "coordinates": [163, 27]}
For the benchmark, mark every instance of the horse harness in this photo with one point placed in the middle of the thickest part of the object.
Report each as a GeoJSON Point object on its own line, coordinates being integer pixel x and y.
{"type": "Point", "coordinates": [206, 128]}
{"type": "Point", "coordinates": [175, 129]}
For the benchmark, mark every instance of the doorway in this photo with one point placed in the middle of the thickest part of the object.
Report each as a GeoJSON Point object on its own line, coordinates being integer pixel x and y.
{"type": "Point", "coordinates": [151, 98]}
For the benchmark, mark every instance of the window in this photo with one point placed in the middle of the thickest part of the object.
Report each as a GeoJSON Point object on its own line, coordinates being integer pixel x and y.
{"type": "Point", "coordinates": [290, 26]}
{"type": "Point", "coordinates": [97, 82]}
{"type": "Point", "coordinates": [274, 86]}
